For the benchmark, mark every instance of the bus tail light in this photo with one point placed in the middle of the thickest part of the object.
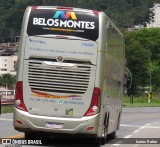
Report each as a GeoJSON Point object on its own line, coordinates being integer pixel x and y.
{"type": "Point", "coordinates": [19, 103]}
{"type": "Point", "coordinates": [94, 106]}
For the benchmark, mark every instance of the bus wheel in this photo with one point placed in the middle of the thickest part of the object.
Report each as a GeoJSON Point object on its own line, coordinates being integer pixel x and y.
{"type": "Point", "coordinates": [105, 130]}
{"type": "Point", "coordinates": [29, 135]}
{"type": "Point", "coordinates": [112, 135]}
{"type": "Point", "coordinates": [33, 135]}
{"type": "Point", "coordinates": [103, 137]}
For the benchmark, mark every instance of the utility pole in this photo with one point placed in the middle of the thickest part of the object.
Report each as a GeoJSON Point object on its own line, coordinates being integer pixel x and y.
{"type": "Point", "coordinates": [150, 82]}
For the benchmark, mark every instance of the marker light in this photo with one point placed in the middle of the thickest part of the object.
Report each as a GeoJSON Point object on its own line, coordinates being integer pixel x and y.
{"type": "Point", "coordinates": [95, 12]}
{"type": "Point", "coordinates": [34, 7]}
{"type": "Point", "coordinates": [90, 128]}
{"type": "Point", "coordinates": [18, 122]}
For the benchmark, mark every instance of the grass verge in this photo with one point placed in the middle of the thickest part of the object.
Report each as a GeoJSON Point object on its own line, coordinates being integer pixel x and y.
{"type": "Point", "coordinates": [141, 102]}
{"type": "Point", "coordinates": [137, 102]}
{"type": "Point", "coordinates": [7, 109]}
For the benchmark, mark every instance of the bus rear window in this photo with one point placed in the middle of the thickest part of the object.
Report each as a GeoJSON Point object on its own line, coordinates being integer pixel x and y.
{"type": "Point", "coordinates": [63, 22]}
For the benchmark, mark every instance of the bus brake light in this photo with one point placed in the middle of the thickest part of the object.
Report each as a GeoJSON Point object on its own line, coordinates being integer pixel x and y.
{"type": "Point", "coordinates": [19, 103]}
{"type": "Point", "coordinates": [94, 106]}
{"type": "Point", "coordinates": [64, 8]}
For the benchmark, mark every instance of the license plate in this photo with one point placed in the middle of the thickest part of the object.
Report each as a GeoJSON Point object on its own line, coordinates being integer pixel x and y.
{"type": "Point", "coordinates": [54, 125]}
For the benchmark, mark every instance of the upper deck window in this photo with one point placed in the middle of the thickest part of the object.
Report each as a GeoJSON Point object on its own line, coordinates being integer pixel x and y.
{"type": "Point", "coordinates": [63, 22]}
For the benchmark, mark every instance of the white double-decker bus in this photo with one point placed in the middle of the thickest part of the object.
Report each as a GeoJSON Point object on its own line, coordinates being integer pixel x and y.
{"type": "Point", "coordinates": [70, 73]}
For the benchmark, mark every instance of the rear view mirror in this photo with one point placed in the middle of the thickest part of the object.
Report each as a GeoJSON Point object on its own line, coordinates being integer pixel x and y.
{"type": "Point", "coordinates": [127, 79]}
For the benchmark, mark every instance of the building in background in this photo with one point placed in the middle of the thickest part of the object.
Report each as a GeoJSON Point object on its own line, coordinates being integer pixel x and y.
{"type": "Point", "coordinates": [8, 59]}
{"type": "Point", "coordinates": [154, 21]}
{"type": "Point", "coordinates": [8, 64]}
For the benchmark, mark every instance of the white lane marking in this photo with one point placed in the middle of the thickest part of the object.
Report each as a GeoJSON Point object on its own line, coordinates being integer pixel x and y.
{"type": "Point", "coordinates": [156, 122]}
{"type": "Point", "coordinates": [115, 144]}
{"type": "Point", "coordinates": [135, 145]}
{"type": "Point", "coordinates": [125, 125]}
{"type": "Point", "coordinates": [128, 136]}
{"type": "Point", "coordinates": [136, 131]}
{"type": "Point", "coordinates": [152, 127]}
{"type": "Point", "coordinates": [140, 127]}
{"type": "Point", "coordinates": [6, 119]}
{"type": "Point", "coordinates": [148, 124]}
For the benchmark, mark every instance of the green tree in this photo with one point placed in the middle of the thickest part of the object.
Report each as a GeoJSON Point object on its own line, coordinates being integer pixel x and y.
{"type": "Point", "coordinates": [143, 52]}
{"type": "Point", "coordinates": [124, 13]}
{"type": "Point", "coordinates": [8, 79]}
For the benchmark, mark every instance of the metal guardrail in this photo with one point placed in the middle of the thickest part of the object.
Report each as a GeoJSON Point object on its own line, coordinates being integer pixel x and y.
{"type": "Point", "coordinates": [7, 102]}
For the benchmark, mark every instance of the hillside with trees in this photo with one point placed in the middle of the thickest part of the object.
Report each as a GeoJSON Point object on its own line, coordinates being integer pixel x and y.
{"type": "Point", "coordinates": [124, 13]}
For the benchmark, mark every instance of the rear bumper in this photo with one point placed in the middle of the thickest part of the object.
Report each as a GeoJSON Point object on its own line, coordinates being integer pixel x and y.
{"type": "Point", "coordinates": [70, 125]}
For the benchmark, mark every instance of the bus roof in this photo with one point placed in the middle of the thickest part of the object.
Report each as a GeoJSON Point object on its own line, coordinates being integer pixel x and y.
{"type": "Point", "coordinates": [65, 8]}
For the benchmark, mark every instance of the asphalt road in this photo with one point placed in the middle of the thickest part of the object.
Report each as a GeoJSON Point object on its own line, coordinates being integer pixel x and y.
{"type": "Point", "coordinates": [138, 125]}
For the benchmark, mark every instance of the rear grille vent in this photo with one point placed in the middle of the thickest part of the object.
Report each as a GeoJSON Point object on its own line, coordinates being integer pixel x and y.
{"type": "Point", "coordinates": [65, 61]}
{"type": "Point", "coordinates": [57, 79]}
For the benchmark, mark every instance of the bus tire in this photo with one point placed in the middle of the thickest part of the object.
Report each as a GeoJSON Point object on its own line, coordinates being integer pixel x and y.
{"type": "Point", "coordinates": [118, 123]}
{"type": "Point", "coordinates": [29, 135]}
{"type": "Point", "coordinates": [33, 135]}
{"type": "Point", "coordinates": [103, 138]}
{"type": "Point", "coordinates": [112, 135]}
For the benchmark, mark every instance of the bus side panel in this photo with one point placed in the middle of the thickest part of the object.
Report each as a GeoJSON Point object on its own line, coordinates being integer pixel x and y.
{"type": "Point", "coordinates": [22, 44]}
{"type": "Point", "coordinates": [110, 74]}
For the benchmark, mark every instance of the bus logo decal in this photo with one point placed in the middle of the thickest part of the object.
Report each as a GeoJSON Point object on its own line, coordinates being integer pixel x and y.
{"type": "Point", "coordinates": [37, 41]}
{"type": "Point", "coordinates": [50, 96]}
{"type": "Point", "coordinates": [65, 16]}
{"type": "Point", "coordinates": [60, 59]}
